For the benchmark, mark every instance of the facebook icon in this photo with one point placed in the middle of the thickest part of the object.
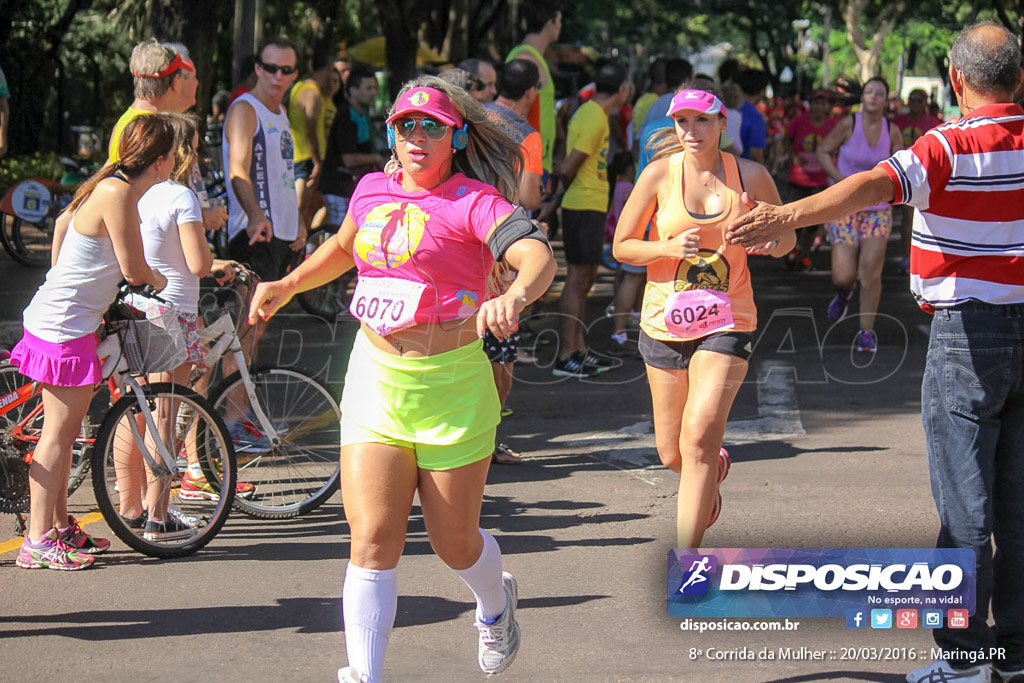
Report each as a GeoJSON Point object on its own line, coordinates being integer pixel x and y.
{"type": "Point", "coordinates": [855, 618]}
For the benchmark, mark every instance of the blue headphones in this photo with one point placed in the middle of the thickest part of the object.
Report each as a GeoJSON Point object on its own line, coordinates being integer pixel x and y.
{"type": "Point", "coordinates": [460, 138]}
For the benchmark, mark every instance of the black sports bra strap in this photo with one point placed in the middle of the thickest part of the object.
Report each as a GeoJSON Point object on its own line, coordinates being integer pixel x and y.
{"type": "Point", "coordinates": [120, 176]}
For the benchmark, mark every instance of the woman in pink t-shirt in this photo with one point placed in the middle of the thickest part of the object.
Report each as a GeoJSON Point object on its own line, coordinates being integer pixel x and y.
{"type": "Point", "coordinates": [420, 406]}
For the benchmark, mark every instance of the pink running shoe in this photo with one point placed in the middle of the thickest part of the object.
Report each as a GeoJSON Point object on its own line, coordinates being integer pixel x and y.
{"type": "Point", "coordinates": [52, 553]}
{"type": "Point", "coordinates": [75, 537]}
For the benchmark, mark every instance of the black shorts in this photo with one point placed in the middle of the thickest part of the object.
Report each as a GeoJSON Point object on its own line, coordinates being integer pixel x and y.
{"type": "Point", "coordinates": [270, 260]}
{"type": "Point", "coordinates": [583, 237]}
{"type": "Point", "coordinates": [501, 351]}
{"type": "Point", "coordinates": [303, 169]}
{"type": "Point", "coordinates": [676, 355]}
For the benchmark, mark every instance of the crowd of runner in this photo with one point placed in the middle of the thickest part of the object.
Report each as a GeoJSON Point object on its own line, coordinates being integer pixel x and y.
{"type": "Point", "coordinates": [672, 178]}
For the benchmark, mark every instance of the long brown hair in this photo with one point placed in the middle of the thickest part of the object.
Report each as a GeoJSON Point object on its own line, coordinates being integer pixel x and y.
{"type": "Point", "coordinates": [145, 139]}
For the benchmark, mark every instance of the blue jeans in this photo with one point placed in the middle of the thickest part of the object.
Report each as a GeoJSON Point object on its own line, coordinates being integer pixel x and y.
{"type": "Point", "coordinates": [972, 403]}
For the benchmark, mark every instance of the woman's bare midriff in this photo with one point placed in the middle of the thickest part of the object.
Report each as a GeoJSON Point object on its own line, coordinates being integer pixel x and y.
{"type": "Point", "coordinates": [425, 339]}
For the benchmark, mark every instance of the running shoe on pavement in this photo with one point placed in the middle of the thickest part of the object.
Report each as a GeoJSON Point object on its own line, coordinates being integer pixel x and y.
{"type": "Point", "coordinates": [175, 513]}
{"type": "Point", "coordinates": [573, 366]}
{"type": "Point", "coordinates": [247, 436]}
{"type": "Point", "coordinates": [941, 672]}
{"type": "Point", "coordinates": [74, 536]}
{"type": "Point", "coordinates": [600, 364]}
{"type": "Point", "coordinates": [499, 642]}
{"type": "Point", "coordinates": [350, 675]}
{"type": "Point", "coordinates": [52, 553]}
{"type": "Point", "coordinates": [135, 523]}
{"type": "Point", "coordinates": [724, 464]}
{"type": "Point", "coordinates": [837, 307]}
{"type": "Point", "coordinates": [168, 530]}
{"type": "Point", "coordinates": [198, 488]}
{"type": "Point", "coordinates": [866, 341]}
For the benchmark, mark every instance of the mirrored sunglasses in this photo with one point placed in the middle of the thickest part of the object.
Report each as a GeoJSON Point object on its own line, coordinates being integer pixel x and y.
{"type": "Point", "coordinates": [432, 128]}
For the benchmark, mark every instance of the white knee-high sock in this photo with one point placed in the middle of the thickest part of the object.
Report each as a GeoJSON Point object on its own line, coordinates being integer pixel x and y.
{"type": "Point", "coordinates": [369, 603]}
{"type": "Point", "coordinates": [484, 579]}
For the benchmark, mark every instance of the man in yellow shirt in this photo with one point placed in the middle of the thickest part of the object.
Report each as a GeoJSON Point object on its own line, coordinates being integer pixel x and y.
{"type": "Point", "coordinates": [584, 206]}
{"type": "Point", "coordinates": [308, 116]}
{"type": "Point", "coordinates": [165, 81]}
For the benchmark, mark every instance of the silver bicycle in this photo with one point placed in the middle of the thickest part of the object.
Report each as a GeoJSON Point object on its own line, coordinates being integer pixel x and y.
{"type": "Point", "coordinates": [285, 426]}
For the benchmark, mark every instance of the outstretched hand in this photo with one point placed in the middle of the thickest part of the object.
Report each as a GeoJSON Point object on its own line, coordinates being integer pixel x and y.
{"type": "Point", "coordinates": [762, 225]}
{"type": "Point", "coordinates": [268, 300]}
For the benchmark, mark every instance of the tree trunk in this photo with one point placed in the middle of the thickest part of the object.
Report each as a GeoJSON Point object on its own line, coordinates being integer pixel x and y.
{"type": "Point", "coordinates": [867, 40]}
{"type": "Point", "coordinates": [401, 43]}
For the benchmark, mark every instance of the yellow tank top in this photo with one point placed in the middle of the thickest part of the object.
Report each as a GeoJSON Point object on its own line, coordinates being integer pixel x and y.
{"type": "Point", "coordinates": [297, 121]}
{"type": "Point", "coordinates": [719, 266]}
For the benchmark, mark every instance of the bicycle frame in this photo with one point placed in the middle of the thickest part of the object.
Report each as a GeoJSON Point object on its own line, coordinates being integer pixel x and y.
{"type": "Point", "coordinates": [115, 372]}
{"type": "Point", "coordinates": [222, 338]}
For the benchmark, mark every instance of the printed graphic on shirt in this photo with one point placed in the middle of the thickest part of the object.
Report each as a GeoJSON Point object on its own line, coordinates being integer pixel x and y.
{"type": "Point", "coordinates": [468, 302]}
{"type": "Point", "coordinates": [258, 172]}
{"type": "Point", "coordinates": [390, 234]}
{"type": "Point", "coordinates": [710, 270]}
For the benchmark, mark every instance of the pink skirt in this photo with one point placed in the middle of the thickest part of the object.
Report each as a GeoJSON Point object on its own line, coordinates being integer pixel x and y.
{"type": "Point", "coordinates": [71, 364]}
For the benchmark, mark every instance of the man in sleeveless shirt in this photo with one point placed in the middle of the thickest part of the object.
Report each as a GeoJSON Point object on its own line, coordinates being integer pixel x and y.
{"type": "Point", "coordinates": [263, 216]}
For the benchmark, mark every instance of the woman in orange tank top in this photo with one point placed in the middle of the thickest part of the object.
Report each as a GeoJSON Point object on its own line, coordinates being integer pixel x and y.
{"type": "Point", "coordinates": [698, 312]}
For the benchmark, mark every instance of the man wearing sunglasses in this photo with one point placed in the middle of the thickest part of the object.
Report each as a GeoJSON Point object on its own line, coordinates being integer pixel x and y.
{"type": "Point", "coordinates": [259, 160]}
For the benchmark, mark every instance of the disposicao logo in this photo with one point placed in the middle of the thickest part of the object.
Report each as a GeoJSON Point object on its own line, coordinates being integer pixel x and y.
{"type": "Point", "coordinates": [825, 582]}
{"type": "Point", "coordinates": [697, 579]}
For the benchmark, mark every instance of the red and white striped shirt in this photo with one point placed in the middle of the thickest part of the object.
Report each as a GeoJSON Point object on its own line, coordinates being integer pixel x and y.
{"type": "Point", "coordinates": [966, 181]}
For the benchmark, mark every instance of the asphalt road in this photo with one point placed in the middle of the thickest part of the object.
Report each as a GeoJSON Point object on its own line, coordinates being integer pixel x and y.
{"type": "Point", "coordinates": [828, 452]}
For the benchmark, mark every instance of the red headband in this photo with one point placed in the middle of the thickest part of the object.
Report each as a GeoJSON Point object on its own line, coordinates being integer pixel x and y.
{"type": "Point", "coordinates": [176, 63]}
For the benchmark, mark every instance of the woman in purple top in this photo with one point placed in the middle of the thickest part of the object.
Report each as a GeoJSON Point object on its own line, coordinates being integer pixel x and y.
{"type": "Point", "coordinates": [858, 242]}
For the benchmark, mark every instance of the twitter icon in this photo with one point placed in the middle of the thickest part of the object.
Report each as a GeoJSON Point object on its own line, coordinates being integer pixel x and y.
{"type": "Point", "coordinates": [881, 618]}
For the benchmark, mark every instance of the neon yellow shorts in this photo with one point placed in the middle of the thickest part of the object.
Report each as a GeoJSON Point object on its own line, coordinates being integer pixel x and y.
{"type": "Point", "coordinates": [443, 407]}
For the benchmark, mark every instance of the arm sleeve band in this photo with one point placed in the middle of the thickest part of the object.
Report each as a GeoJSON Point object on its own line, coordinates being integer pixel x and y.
{"type": "Point", "coordinates": [517, 226]}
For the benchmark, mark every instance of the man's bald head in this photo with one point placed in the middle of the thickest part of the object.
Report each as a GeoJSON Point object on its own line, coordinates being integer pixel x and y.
{"type": "Point", "coordinates": [988, 56]}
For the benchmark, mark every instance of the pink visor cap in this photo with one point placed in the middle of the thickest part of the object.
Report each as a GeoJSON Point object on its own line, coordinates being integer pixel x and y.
{"type": "Point", "coordinates": [427, 101]}
{"type": "Point", "coordinates": [699, 100]}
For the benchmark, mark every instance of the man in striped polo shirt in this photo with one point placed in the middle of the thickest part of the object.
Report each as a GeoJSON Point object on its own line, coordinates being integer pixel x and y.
{"type": "Point", "coordinates": [965, 181]}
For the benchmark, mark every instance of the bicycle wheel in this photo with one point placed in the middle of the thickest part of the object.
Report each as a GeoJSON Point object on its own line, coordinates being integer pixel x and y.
{"type": "Point", "coordinates": [326, 301]}
{"type": "Point", "coordinates": [192, 430]}
{"type": "Point", "coordinates": [297, 472]}
{"type": "Point", "coordinates": [28, 243]}
{"type": "Point", "coordinates": [10, 381]}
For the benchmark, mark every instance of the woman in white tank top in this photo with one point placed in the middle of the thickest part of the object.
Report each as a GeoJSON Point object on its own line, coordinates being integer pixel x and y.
{"type": "Point", "coordinates": [171, 222]}
{"type": "Point", "coordinates": [58, 349]}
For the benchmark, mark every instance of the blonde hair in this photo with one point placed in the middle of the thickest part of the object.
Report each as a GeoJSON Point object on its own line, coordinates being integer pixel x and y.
{"type": "Point", "coordinates": [186, 127]}
{"type": "Point", "coordinates": [151, 57]}
{"type": "Point", "coordinates": [490, 156]}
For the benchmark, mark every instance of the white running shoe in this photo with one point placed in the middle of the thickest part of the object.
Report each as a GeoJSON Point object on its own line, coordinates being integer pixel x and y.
{"type": "Point", "coordinates": [941, 672]}
{"type": "Point", "coordinates": [499, 642]}
{"type": "Point", "coordinates": [174, 512]}
{"type": "Point", "coordinates": [349, 675]}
